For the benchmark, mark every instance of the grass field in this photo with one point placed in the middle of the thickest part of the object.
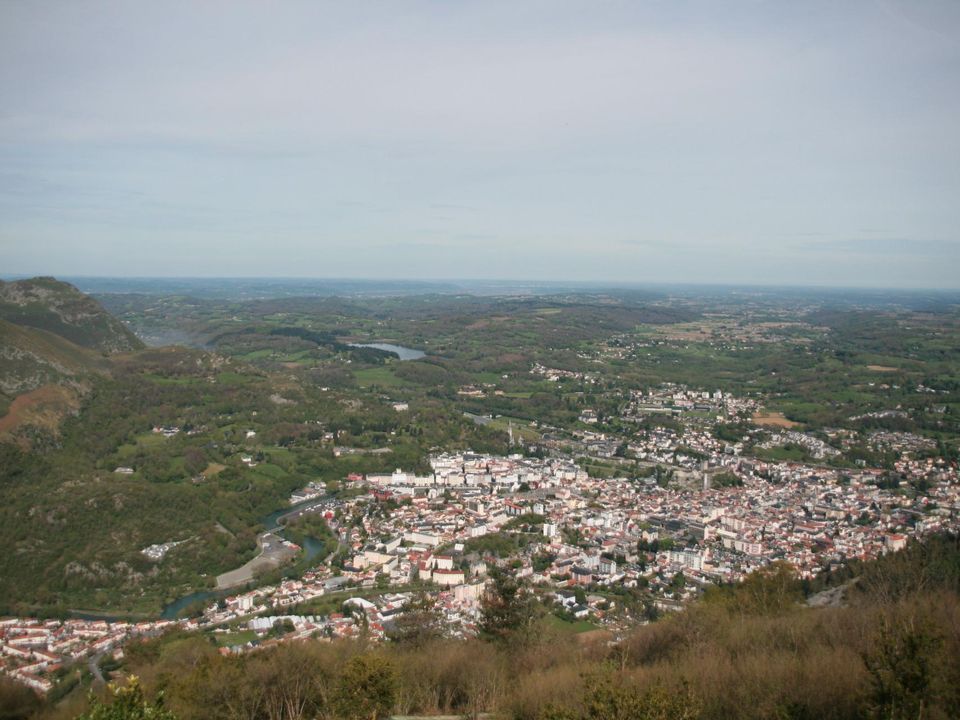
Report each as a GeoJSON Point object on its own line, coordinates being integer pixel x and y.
{"type": "Point", "coordinates": [257, 354]}
{"type": "Point", "coordinates": [774, 419]}
{"type": "Point", "coordinates": [234, 638]}
{"type": "Point", "coordinates": [521, 427]}
{"type": "Point", "coordinates": [794, 454]}
{"type": "Point", "coordinates": [232, 378]}
{"type": "Point", "coordinates": [574, 628]}
{"type": "Point", "coordinates": [163, 380]}
{"type": "Point", "coordinates": [382, 376]}
{"type": "Point", "coordinates": [485, 377]}
{"type": "Point", "coordinates": [272, 472]}
{"type": "Point", "coordinates": [143, 441]}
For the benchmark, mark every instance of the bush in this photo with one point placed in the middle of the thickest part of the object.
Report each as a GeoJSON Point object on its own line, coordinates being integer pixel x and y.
{"type": "Point", "coordinates": [367, 688]}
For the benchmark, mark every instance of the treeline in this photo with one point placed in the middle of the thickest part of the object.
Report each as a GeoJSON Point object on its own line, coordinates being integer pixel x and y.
{"type": "Point", "coordinates": [320, 338]}
{"type": "Point", "coordinates": [931, 566]}
{"type": "Point", "coordinates": [373, 356]}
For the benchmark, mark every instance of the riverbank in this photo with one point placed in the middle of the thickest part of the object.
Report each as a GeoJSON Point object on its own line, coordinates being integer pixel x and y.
{"type": "Point", "coordinates": [274, 552]}
{"type": "Point", "coordinates": [246, 574]}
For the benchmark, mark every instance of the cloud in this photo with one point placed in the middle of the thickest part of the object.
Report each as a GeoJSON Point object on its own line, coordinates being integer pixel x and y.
{"type": "Point", "coordinates": [198, 76]}
{"type": "Point", "coordinates": [888, 246]}
{"type": "Point", "coordinates": [667, 141]}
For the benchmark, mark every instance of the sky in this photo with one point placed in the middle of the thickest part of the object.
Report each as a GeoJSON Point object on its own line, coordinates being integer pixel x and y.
{"type": "Point", "coordinates": [743, 142]}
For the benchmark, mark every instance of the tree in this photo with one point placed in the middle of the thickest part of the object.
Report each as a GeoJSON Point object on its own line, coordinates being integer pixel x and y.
{"type": "Point", "coordinates": [194, 460]}
{"type": "Point", "coordinates": [726, 479]}
{"type": "Point", "coordinates": [282, 627]}
{"type": "Point", "coordinates": [507, 609]}
{"type": "Point", "coordinates": [770, 590]}
{"type": "Point", "coordinates": [367, 688]}
{"type": "Point", "coordinates": [901, 664]}
{"type": "Point", "coordinates": [607, 697]}
{"type": "Point", "coordinates": [17, 701]}
{"type": "Point", "coordinates": [419, 623]}
{"type": "Point", "coordinates": [127, 703]}
{"type": "Point", "coordinates": [644, 546]}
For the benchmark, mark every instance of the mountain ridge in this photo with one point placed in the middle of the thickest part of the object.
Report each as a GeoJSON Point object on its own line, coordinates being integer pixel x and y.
{"type": "Point", "coordinates": [53, 341]}
{"type": "Point", "coordinates": [49, 304]}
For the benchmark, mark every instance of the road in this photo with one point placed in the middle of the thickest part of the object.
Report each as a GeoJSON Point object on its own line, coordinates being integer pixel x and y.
{"type": "Point", "coordinates": [94, 664]}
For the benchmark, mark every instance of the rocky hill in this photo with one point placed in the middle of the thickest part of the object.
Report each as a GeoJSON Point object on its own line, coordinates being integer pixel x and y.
{"type": "Point", "coordinates": [53, 341]}
{"type": "Point", "coordinates": [31, 358]}
{"type": "Point", "coordinates": [60, 308]}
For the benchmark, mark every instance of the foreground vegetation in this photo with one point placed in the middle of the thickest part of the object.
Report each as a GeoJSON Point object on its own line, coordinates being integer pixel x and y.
{"type": "Point", "coordinates": [747, 651]}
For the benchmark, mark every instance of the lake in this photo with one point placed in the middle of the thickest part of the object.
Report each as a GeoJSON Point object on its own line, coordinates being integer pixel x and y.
{"type": "Point", "coordinates": [405, 353]}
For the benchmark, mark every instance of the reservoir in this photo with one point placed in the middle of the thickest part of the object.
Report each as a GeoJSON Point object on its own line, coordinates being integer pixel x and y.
{"type": "Point", "coordinates": [405, 353]}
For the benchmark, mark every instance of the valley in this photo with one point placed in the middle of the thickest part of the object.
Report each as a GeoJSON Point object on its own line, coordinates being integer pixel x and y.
{"type": "Point", "coordinates": [620, 454]}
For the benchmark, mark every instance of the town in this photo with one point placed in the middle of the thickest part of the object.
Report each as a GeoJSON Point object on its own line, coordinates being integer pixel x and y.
{"type": "Point", "coordinates": [689, 510]}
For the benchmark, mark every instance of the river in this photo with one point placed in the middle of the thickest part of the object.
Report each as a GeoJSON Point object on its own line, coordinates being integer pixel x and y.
{"type": "Point", "coordinates": [311, 547]}
{"type": "Point", "coordinates": [404, 353]}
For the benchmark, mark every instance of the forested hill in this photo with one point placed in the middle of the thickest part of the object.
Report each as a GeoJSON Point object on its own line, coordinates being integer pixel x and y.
{"type": "Point", "coordinates": [59, 308]}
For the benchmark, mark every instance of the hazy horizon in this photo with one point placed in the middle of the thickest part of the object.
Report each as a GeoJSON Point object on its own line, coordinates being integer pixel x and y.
{"type": "Point", "coordinates": [95, 284]}
{"type": "Point", "coordinates": [755, 144]}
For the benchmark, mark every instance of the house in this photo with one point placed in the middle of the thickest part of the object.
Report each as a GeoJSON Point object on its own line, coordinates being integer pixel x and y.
{"type": "Point", "coordinates": [895, 542]}
{"type": "Point", "coordinates": [448, 578]}
{"type": "Point", "coordinates": [582, 576]}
